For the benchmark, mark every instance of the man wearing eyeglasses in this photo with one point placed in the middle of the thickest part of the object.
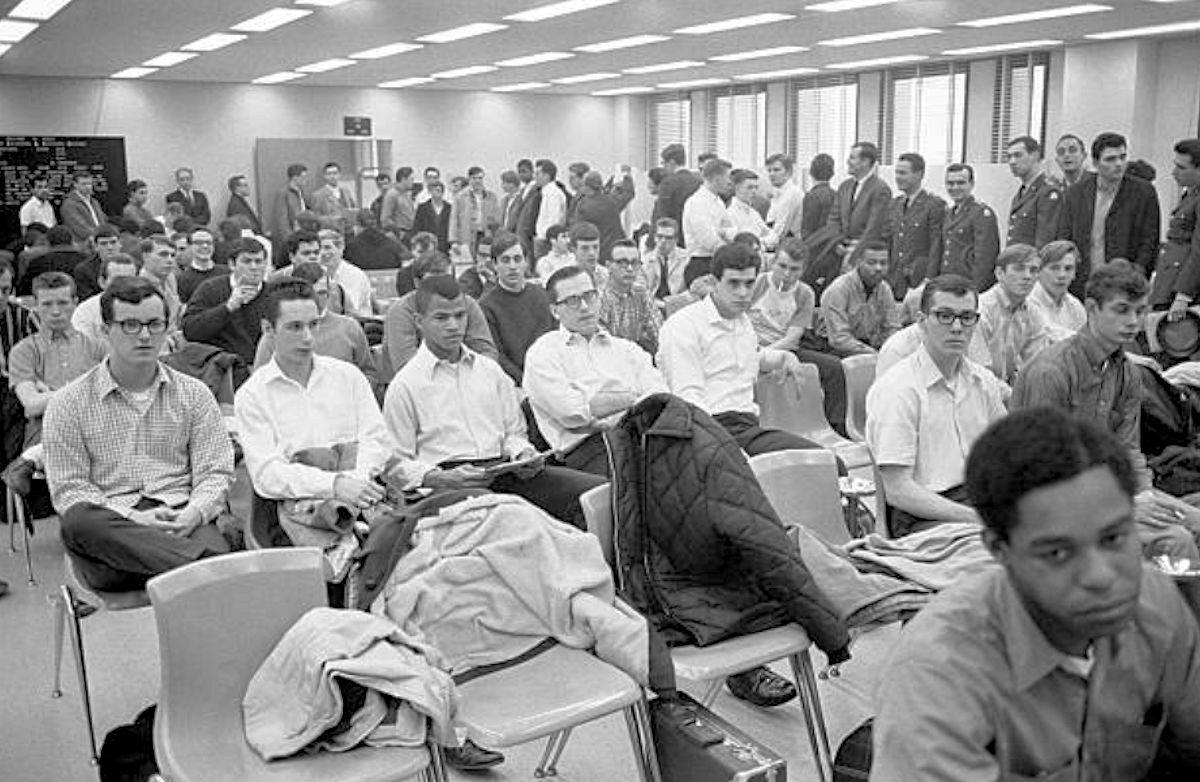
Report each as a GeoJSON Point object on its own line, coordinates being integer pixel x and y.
{"type": "Point", "coordinates": [625, 311]}
{"type": "Point", "coordinates": [924, 413]}
{"type": "Point", "coordinates": [664, 265]}
{"type": "Point", "coordinates": [137, 457]}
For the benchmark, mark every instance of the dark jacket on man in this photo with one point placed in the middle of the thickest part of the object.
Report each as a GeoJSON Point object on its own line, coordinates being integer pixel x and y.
{"type": "Point", "coordinates": [914, 236]}
{"type": "Point", "coordinates": [1131, 230]}
{"type": "Point", "coordinates": [1179, 267]}
{"type": "Point", "coordinates": [860, 210]}
{"type": "Point", "coordinates": [673, 192]}
{"type": "Point", "coordinates": [196, 207]}
{"type": "Point", "coordinates": [1033, 214]}
{"type": "Point", "coordinates": [240, 206]}
{"type": "Point", "coordinates": [970, 243]}
{"type": "Point", "coordinates": [818, 202]}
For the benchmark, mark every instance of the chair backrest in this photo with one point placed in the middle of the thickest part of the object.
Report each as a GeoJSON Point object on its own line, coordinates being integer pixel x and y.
{"type": "Point", "coordinates": [383, 283]}
{"type": "Point", "coordinates": [860, 374]}
{"type": "Point", "coordinates": [802, 487]}
{"type": "Point", "coordinates": [598, 515]}
{"type": "Point", "coordinates": [218, 619]}
{"type": "Point", "coordinates": [798, 408]}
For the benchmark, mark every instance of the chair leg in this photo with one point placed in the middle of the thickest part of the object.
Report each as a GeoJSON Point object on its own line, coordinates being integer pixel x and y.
{"type": "Point", "coordinates": [59, 604]}
{"type": "Point", "coordinates": [81, 669]}
{"type": "Point", "coordinates": [19, 517]}
{"type": "Point", "coordinates": [637, 719]}
{"type": "Point", "coordinates": [814, 717]}
{"type": "Point", "coordinates": [711, 690]}
{"type": "Point", "coordinates": [548, 767]}
{"type": "Point", "coordinates": [10, 514]}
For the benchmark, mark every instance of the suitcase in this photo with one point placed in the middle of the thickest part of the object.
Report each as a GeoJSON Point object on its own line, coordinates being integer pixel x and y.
{"type": "Point", "coordinates": [695, 745]}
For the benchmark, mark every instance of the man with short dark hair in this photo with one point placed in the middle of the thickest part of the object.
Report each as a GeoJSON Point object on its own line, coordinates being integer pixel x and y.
{"type": "Point", "coordinates": [358, 296]}
{"type": "Point", "coordinates": [585, 246]}
{"type": "Point", "coordinates": [455, 417]}
{"type": "Point", "coordinates": [434, 215]}
{"type": "Point", "coordinates": [858, 307]}
{"type": "Point", "coordinates": [970, 235]}
{"type": "Point", "coordinates": [194, 202]}
{"type": "Point", "coordinates": [476, 213]}
{"type": "Point", "coordinates": [626, 310]}
{"type": "Point", "coordinates": [38, 208]}
{"type": "Point", "coordinates": [1177, 275]}
{"type": "Point", "coordinates": [510, 202]}
{"type": "Point", "coordinates": [64, 255]}
{"type": "Point", "coordinates": [399, 211]}
{"type": "Point", "coordinates": [664, 265]}
{"type": "Point", "coordinates": [913, 230]}
{"type": "Point", "coordinates": [517, 312]}
{"type": "Point", "coordinates": [820, 198]}
{"type": "Point", "coordinates": [575, 174]}
{"type": "Point", "coordinates": [227, 312]}
{"type": "Point", "coordinates": [291, 201]}
{"type": "Point", "coordinates": [676, 187]}
{"type": "Point", "coordinates": [1071, 155]}
{"type": "Point", "coordinates": [1013, 331]}
{"type": "Point", "coordinates": [87, 318]}
{"type": "Point", "coordinates": [81, 213]}
{"type": "Point", "coordinates": [602, 207]}
{"type": "Point", "coordinates": [861, 209]}
{"type": "Point", "coordinates": [552, 204]}
{"type": "Point", "coordinates": [159, 267]}
{"type": "Point", "coordinates": [383, 181]}
{"type": "Point", "coordinates": [201, 265]}
{"type": "Point", "coordinates": [705, 219]}
{"type": "Point", "coordinates": [785, 215]}
{"type": "Point", "coordinates": [1111, 215]}
{"type": "Point", "coordinates": [137, 458]}
{"type": "Point", "coordinates": [239, 202]}
{"type": "Point", "coordinates": [332, 198]}
{"type": "Point", "coordinates": [741, 214]}
{"type": "Point", "coordinates": [559, 255]}
{"type": "Point", "coordinates": [1070, 661]}
{"type": "Point", "coordinates": [530, 204]}
{"type": "Point", "coordinates": [1033, 215]}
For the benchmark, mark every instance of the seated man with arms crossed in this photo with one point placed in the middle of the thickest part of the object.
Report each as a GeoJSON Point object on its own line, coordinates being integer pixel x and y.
{"type": "Point", "coordinates": [137, 457]}
{"type": "Point", "coordinates": [454, 414]}
{"type": "Point", "coordinates": [1071, 661]}
{"type": "Point", "coordinates": [924, 414]}
{"type": "Point", "coordinates": [581, 379]}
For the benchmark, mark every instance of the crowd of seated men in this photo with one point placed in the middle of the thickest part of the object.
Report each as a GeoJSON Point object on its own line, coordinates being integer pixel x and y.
{"type": "Point", "coordinates": [561, 323]}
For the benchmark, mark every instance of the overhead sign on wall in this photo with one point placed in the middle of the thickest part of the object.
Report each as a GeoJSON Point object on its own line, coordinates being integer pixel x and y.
{"type": "Point", "coordinates": [356, 126]}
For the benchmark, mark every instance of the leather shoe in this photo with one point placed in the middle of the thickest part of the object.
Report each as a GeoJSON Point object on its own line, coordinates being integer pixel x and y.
{"type": "Point", "coordinates": [19, 476]}
{"type": "Point", "coordinates": [762, 687]}
{"type": "Point", "coordinates": [472, 757]}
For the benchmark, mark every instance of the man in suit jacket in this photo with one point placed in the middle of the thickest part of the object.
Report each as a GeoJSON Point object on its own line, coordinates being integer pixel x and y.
{"type": "Point", "coordinates": [1033, 215]}
{"type": "Point", "coordinates": [194, 203]}
{"type": "Point", "coordinates": [332, 198]}
{"type": "Point", "coordinates": [81, 213]}
{"type": "Point", "coordinates": [819, 200]}
{"type": "Point", "coordinates": [510, 202]}
{"type": "Point", "coordinates": [476, 212]}
{"type": "Point", "coordinates": [863, 201]}
{"type": "Point", "coordinates": [239, 202]}
{"type": "Point", "coordinates": [1130, 208]}
{"type": "Point", "coordinates": [677, 187]}
{"type": "Point", "coordinates": [290, 201]}
{"type": "Point", "coordinates": [434, 215]}
{"type": "Point", "coordinates": [970, 236]}
{"type": "Point", "coordinates": [914, 228]}
{"type": "Point", "coordinates": [603, 209]}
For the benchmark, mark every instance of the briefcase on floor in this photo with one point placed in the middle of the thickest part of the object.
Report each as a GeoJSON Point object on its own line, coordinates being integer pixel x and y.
{"type": "Point", "coordinates": [695, 745]}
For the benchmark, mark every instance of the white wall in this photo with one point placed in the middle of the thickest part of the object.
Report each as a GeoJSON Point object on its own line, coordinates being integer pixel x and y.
{"type": "Point", "coordinates": [213, 127]}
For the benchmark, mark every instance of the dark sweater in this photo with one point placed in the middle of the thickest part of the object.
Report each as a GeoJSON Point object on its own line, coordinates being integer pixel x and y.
{"type": "Point", "coordinates": [208, 320]}
{"type": "Point", "coordinates": [373, 250]}
{"type": "Point", "coordinates": [188, 280]}
{"type": "Point", "coordinates": [516, 320]}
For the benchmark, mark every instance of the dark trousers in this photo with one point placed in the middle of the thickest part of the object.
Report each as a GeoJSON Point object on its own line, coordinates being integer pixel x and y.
{"type": "Point", "coordinates": [115, 554]}
{"type": "Point", "coordinates": [833, 383]}
{"type": "Point", "coordinates": [555, 490]}
{"type": "Point", "coordinates": [901, 522]}
{"type": "Point", "coordinates": [589, 456]}
{"type": "Point", "coordinates": [754, 439]}
{"type": "Point", "coordinates": [697, 266]}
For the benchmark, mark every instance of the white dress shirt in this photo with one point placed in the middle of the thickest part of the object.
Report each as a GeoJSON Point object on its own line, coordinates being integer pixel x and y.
{"type": "Point", "coordinates": [553, 210]}
{"type": "Point", "coordinates": [37, 211]}
{"type": "Point", "coordinates": [551, 262]}
{"type": "Point", "coordinates": [744, 218]}
{"type": "Point", "coordinates": [787, 209]}
{"type": "Point", "coordinates": [704, 220]}
{"type": "Point", "coordinates": [564, 371]}
{"type": "Point", "coordinates": [87, 319]}
{"type": "Point", "coordinates": [709, 360]}
{"type": "Point", "coordinates": [1063, 318]}
{"type": "Point", "coordinates": [440, 411]}
{"type": "Point", "coordinates": [277, 417]}
{"type": "Point", "coordinates": [357, 287]}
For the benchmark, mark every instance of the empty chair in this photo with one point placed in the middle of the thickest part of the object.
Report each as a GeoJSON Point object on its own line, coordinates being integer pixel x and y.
{"type": "Point", "coordinates": [712, 664]}
{"type": "Point", "coordinates": [218, 620]}
{"type": "Point", "coordinates": [860, 374]}
{"type": "Point", "coordinates": [800, 409]}
{"type": "Point", "coordinates": [802, 487]}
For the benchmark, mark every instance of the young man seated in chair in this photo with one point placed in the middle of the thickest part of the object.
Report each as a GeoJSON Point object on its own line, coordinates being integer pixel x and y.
{"type": "Point", "coordinates": [137, 456]}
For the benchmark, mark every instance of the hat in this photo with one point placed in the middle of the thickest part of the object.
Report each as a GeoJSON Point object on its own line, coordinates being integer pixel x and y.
{"type": "Point", "coordinates": [1179, 338]}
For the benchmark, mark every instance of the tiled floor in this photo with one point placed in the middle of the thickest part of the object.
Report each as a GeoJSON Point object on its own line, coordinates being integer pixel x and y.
{"type": "Point", "coordinates": [44, 739]}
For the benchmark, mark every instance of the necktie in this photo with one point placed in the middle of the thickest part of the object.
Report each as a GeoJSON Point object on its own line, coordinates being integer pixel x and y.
{"type": "Point", "coordinates": [664, 284]}
{"type": "Point", "coordinates": [853, 192]}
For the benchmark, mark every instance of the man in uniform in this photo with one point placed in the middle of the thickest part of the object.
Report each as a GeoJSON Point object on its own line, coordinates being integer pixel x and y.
{"type": "Point", "coordinates": [970, 236]}
{"type": "Point", "coordinates": [1177, 283]}
{"type": "Point", "coordinates": [1033, 216]}
{"type": "Point", "coordinates": [914, 228]}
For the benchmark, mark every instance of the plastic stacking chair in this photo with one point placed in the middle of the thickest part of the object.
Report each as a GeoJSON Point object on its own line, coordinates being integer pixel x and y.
{"type": "Point", "coordinates": [800, 409]}
{"type": "Point", "coordinates": [710, 665]}
{"type": "Point", "coordinates": [18, 516]}
{"type": "Point", "coordinates": [218, 620]}
{"type": "Point", "coordinates": [67, 604]}
{"type": "Point", "coordinates": [802, 487]}
{"type": "Point", "coordinates": [860, 374]}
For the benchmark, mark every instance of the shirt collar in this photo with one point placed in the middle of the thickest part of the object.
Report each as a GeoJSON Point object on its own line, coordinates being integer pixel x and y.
{"type": "Point", "coordinates": [712, 314]}
{"type": "Point", "coordinates": [1005, 301]}
{"type": "Point", "coordinates": [601, 337]}
{"type": "Point", "coordinates": [929, 374]}
{"type": "Point", "coordinates": [106, 383]}
{"type": "Point", "coordinates": [427, 362]}
{"type": "Point", "coordinates": [1093, 351]}
{"type": "Point", "coordinates": [46, 335]}
{"type": "Point", "coordinates": [1030, 655]}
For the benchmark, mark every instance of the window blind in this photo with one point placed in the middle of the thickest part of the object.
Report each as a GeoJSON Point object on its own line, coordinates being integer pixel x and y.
{"type": "Point", "coordinates": [670, 120]}
{"type": "Point", "coordinates": [737, 125]}
{"type": "Point", "coordinates": [1019, 99]}
{"type": "Point", "coordinates": [823, 117]}
{"type": "Point", "coordinates": [924, 109]}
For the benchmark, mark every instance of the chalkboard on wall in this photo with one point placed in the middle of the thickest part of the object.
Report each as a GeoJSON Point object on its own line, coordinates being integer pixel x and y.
{"type": "Point", "coordinates": [57, 157]}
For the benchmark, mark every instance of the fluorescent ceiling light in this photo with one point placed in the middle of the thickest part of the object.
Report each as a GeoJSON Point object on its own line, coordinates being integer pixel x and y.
{"type": "Point", "coordinates": [535, 59]}
{"type": "Point", "coordinates": [411, 81]}
{"type": "Point", "coordinates": [1003, 47]}
{"type": "Point", "coordinates": [525, 85]}
{"type": "Point", "coordinates": [769, 75]}
{"type": "Point", "coordinates": [470, 70]}
{"type": "Point", "coordinates": [278, 78]}
{"type": "Point", "coordinates": [734, 24]}
{"type": "Point", "coordinates": [683, 85]}
{"type": "Point", "coordinates": [622, 91]}
{"type": "Point", "coordinates": [459, 33]}
{"type": "Point", "coordinates": [210, 43]}
{"type": "Point", "coordinates": [169, 59]}
{"type": "Point", "coordinates": [621, 43]}
{"type": "Point", "coordinates": [833, 6]}
{"type": "Point", "coordinates": [12, 31]}
{"type": "Point", "coordinates": [1158, 29]}
{"type": "Point", "coordinates": [586, 77]}
{"type": "Point", "coordinates": [379, 52]}
{"type": "Point", "coordinates": [321, 3]}
{"type": "Point", "coordinates": [774, 51]}
{"type": "Point", "coordinates": [877, 62]}
{"type": "Point", "coordinates": [326, 65]}
{"type": "Point", "coordinates": [557, 9]}
{"type": "Point", "coordinates": [269, 20]}
{"type": "Point", "coordinates": [888, 35]}
{"type": "Point", "coordinates": [4, 47]}
{"type": "Point", "coordinates": [678, 65]}
{"type": "Point", "coordinates": [1033, 16]}
{"type": "Point", "coordinates": [38, 9]}
{"type": "Point", "coordinates": [133, 73]}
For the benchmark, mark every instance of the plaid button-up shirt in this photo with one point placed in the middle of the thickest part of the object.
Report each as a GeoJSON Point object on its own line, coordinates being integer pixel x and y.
{"type": "Point", "coordinates": [101, 448]}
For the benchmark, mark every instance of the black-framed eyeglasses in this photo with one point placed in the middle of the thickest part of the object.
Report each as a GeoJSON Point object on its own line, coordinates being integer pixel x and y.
{"type": "Point", "coordinates": [577, 300]}
{"type": "Point", "coordinates": [947, 317]}
{"type": "Point", "coordinates": [133, 326]}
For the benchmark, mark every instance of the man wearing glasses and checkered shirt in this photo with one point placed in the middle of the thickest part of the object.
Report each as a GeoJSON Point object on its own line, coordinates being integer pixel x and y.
{"type": "Point", "coordinates": [925, 413]}
{"type": "Point", "coordinates": [137, 456]}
